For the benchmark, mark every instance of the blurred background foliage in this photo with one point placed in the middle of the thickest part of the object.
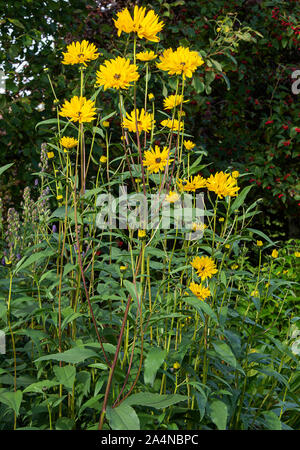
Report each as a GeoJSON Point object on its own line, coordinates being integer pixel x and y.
{"type": "Point", "coordinates": [241, 109]}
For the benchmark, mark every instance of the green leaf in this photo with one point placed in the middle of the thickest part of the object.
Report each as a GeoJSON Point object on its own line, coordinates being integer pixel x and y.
{"type": "Point", "coordinates": [272, 421]}
{"type": "Point", "coordinates": [153, 361]}
{"type": "Point", "coordinates": [74, 356]}
{"type": "Point", "coordinates": [218, 414]}
{"type": "Point", "coordinates": [64, 423]}
{"type": "Point", "coordinates": [240, 198]}
{"type": "Point", "coordinates": [201, 306]}
{"type": "Point", "coordinates": [65, 375]}
{"type": "Point", "coordinates": [41, 386]}
{"type": "Point", "coordinates": [123, 417]}
{"type": "Point", "coordinates": [4, 168]}
{"type": "Point", "coordinates": [12, 399]}
{"type": "Point", "coordinates": [154, 400]}
{"type": "Point", "coordinates": [225, 353]}
{"type": "Point", "coordinates": [23, 263]}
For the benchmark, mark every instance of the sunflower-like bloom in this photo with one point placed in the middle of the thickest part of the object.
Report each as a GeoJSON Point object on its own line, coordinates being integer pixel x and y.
{"type": "Point", "coordinates": [172, 197]}
{"type": "Point", "coordinates": [182, 61]}
{"type": "Point", "coordinates": [191, 185]}
{"type": "Point", "coordinates": [79, 109]}
{"type": "Point", "coordinates": [146, 56]}
{"type": "Point", "coordinates": [156, 159]}
{"type": "Point", "coordinates": [189, 145]}
{"type": "Point", "coordinates": [198, 226]}
{"type": "Point", "coordinates": [200, 291]}
{"type": "Point", "coordinates": [172, 124]}
{"type": "Point", "coordinates": [68, 142]}
{"type": "Point", "coordinates": [145, 25]}
{"type": "Point", "coordinates": [172, 101]}
{"type": "Point", "coordinates": [223, 184]}
{"type": "Point", "coordinates": [204, 266]}
{"type": "Point", "coordinates": [80, 53]}
{"type": "Point", "coordinates": [117, 73]}
{"type": "Point", "coordinates": [143, 119]}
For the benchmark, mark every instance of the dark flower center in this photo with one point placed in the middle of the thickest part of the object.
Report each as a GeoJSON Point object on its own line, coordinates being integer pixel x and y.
{"type": "Point", "coordinates": [158, 160]}
{"type": "Point", "coordinates": [117, 76]}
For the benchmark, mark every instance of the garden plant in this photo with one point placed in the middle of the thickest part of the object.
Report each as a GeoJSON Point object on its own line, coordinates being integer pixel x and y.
{"type": "Point", "coordinates": [117, 320]}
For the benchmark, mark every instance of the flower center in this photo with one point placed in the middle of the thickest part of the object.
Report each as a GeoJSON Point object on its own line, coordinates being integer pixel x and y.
{"type": "Point", "coordinates": [158, 160]}
{"type": "Point", "coordinates": [117, 76]}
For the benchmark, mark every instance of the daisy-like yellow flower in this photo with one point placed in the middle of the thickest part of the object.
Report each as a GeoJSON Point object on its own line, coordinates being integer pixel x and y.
{"type": "Point", "coordinates": [50, 155]}
{"type": "Point", "coordinates": [176, 366]}
{"type": "Point", "coordinates": [172, 124]}
{"type": "Point", "coordinates": [156, 160]}
{"type": "Point", "coordinates": [80, 53]}
{"type": "Point", "coordinates": [105, 123]}
{"type": "Point", "coordinates": [145, 25]}
{"type": "Point", "coordinates": [255, 293]}
{"type": "Point", "coordinates": [198, 226]}
{"type": "Point", "coordinates": [172, 197]}
{"type": "Point", "coordinates": [259, 243]}
{"type": "Point", "coordinates": [144, 121]}
{"type": "Point", "coordinates": [172, 101]}
{"type": "Point", "coordinates": [68, 142]}
{"type": "Point", "coordinates": [103, 159]}
{"type": "Point", "coordinates": [116, 73]}
{"type": "Point", "coordinates": [297, 254]}
{"type": "Point", "coordinates": [182, 61]}
{"type": "Point", "coordinates": [189, 145]}
{"type": "Point", "coordinates": [274, 253]}
{"type": "Point", "coordinates": [146, 56]}
{"type": "Point", "coordinates": [141, 233]}
{"type": "Point", "coordinates": [204, 266]}
{"type": "Point", "coordinates": [200, 291]}
{"type": "Point", "coordinates": [150, 96]}
{"type": "Point", "coordinates": [79, 109]}
{"type": "Point", "coordinates": [235, 174]}
{"type": "Point", "coordinates": [191, 185]}
{"type": "Point", "coordinates": [223, 184]}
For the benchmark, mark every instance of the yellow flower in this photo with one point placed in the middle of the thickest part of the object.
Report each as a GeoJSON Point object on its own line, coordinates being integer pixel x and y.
{"type": "Point", "coordinates": [255, 293]}
{"type": "Point", "coordinates": [116, 73]}
{"type": "Point", "coordinates": [235, 174]}
{"type": "Point", "coordinates": [103, 159]}
{"type": "Point", "coordinates": [156, 160]}
{"type": "Point", "coordinates": [141, 233]}
{"type": "Point", "coordinates": [123, 268]}
{"type": "Point", "coordinates": [198, 226]}
{"type": "Point", "coordinates": [297, 254]}
{"type": "Point", "coordinates": [259, 243]}
{"type": "Point", "coordinates": [145, 25]}
{"type": "Point", "coordinates": [146, 56]}
{"type": "Point", "coordinates": [176, 365]}
{"type": "Point", "coordinates": [218, 29]}
{"type": "Point", "coordinates": [196, 182]}
{"type": "Point", "coordinates": [50, 155]}
{"type": "Point", "coordinates": [234, 266]}
{"type": "Point", "coordinates": [227, 245]}
{"type": "Point", "coordinates": [59, 197]}
{"type": "Point", "coordinates": [172, 124]}
{"type": "Point", "coordinates": [223, 184]}
{"type": "Point", "coordinates": [189, 145]}
{"type": "Point", "coordinates": [68, 142]}
{"type": "Point", "coordinates": [172, 101]}
{"type": "Point", "coordinates": [204, 266]}
{"type": "Point", "coordinates": [200, 291]}
{"type": "Point", "coordinates": [79, 109]}
{"type": "Point", "coordinates": [150, 96]}
{"type": "Point", "coordinates": [105, 123]}
{"type": "Point", "coordinates": [144, 121]}
{"type": "Point", "coordinates": [221, 219]}
{"type": "Point", "coordinates": [172, 197]}
{"type": "Point", "coordinates": [80, 53]}
{"type": "Point", "coordinates": [182, 61]}
{"type": "Point", "coordinates": [274, 253]}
